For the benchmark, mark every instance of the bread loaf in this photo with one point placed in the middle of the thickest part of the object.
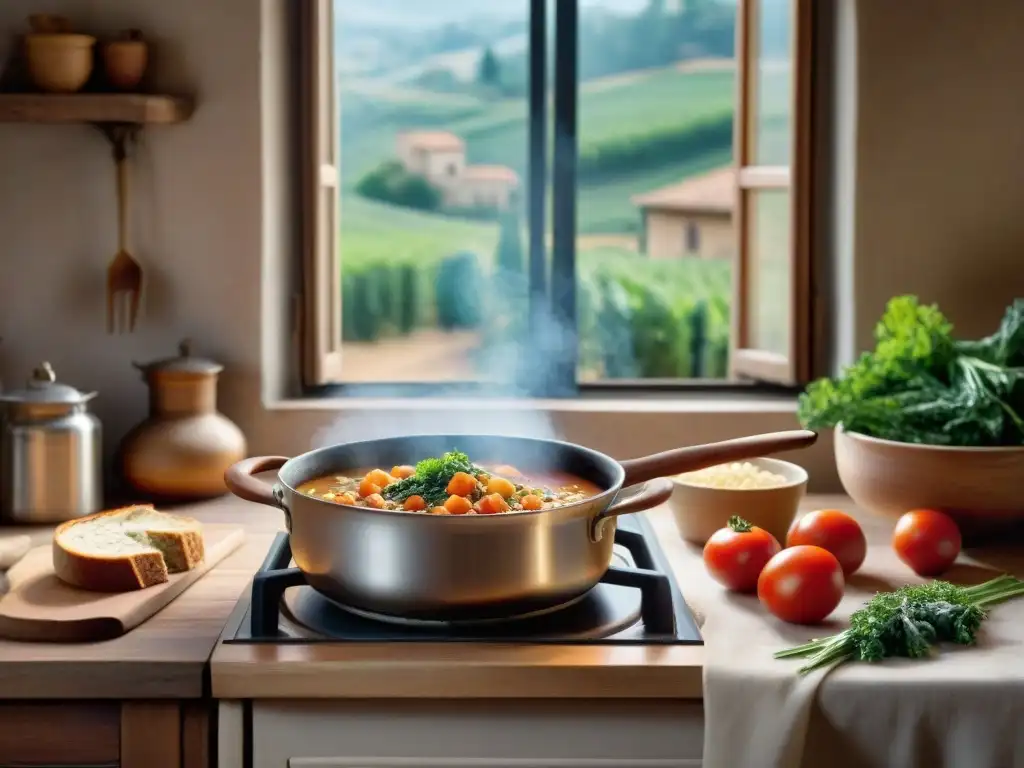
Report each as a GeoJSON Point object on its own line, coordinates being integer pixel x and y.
{"type": "Point", "coordinates": [126, 549]}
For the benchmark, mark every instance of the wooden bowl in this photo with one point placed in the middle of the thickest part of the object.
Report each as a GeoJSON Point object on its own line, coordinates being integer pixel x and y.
{"type": "Point", "coordinates": [59, 63]}
{"type": "Point", "coordinates": [980, 488]}
{"type": "Point", "coordinates": [699, 511]}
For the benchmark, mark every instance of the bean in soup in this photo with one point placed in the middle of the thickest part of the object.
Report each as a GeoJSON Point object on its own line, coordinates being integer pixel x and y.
{"type": "Point", "coordinates": [451, 485]}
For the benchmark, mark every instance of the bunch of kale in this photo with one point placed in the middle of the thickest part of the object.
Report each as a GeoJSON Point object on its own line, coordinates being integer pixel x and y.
{"type": "Point", "coordinates": [920, 385]}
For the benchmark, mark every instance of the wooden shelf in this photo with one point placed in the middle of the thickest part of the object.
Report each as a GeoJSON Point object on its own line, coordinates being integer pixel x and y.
{"type": "Point", "coordinates": [93, 108]}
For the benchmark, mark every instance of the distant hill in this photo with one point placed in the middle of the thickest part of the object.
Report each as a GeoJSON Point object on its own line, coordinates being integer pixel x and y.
{"type": "Point", "coordinates": [417, 13]}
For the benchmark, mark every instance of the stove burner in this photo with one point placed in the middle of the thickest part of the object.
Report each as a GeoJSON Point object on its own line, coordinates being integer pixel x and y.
{"type": "Point", "coordinates": [601, 612]}
{"type": "Point", "coordinates": [449, 624]}
{"type": "Point", "coordinates": [635, 603]}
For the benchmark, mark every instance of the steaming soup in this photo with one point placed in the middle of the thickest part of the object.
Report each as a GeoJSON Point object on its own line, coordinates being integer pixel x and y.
{"type": "Point", "coordinates": [451, 485]}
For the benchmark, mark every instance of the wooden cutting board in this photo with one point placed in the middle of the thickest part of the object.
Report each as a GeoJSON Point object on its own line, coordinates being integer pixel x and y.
{"type": "Point", "coordinates": [41, 607]}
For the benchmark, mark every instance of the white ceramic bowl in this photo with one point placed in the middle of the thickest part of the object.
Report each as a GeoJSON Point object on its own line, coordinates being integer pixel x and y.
{"type": "Point", "coordinates": [699, 511]}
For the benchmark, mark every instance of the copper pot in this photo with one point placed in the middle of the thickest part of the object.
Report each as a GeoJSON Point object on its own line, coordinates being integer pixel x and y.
{"type": "Point", "coordinates": [183, 448]}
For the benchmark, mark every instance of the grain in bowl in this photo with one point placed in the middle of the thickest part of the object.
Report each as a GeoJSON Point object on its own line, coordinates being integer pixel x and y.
{"type": "Point", "coordinates": [734, 476]}
{"type": "Point", "coordinates": [767, 492]}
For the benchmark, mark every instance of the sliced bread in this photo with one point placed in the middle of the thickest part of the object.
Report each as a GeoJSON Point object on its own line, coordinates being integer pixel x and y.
{"type": "Point", "coordinates": [126, 549]}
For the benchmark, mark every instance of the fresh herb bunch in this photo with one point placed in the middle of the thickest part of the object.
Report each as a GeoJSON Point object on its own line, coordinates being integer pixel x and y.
{"type": "Point", "coordinates": [908, 623]}
{"type": "Point", "coordinates": [432, 478]}
{"type": "Point", "coordinates": [920, 385]}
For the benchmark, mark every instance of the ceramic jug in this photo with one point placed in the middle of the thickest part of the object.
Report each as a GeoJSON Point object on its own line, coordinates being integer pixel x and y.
{"type": "Point", "coordinates": [183, 448]}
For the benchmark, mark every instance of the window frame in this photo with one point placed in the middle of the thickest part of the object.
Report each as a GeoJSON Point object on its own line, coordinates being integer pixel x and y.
{"type": "Point", "coordinates": [746, 360]}
{"type": "Point", "coordinates": [319, 177]}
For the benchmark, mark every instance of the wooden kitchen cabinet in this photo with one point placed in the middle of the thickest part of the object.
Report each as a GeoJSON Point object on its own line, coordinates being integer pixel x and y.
{"type": "Point", "coordinates": [462, 734]}
{"type": "Point", "coordinates": [129, 734]}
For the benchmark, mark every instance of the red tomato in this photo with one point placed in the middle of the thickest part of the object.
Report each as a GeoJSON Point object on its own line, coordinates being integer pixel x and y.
{"type": "Point", "coordinates": [835, 531]}
{"type": "Point", "coordinates": [802, 584]}
{"type": "Point", "coordinates": [926, 540]}
{"type": "Point", "coordinates": [735, 555]}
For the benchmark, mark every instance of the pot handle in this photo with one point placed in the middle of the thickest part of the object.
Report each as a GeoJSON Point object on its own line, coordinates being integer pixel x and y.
{"type": "Point", "coordinates": [648, 495]}
{"type": "Point", "coordinates": [240, 481]}
{"type": "Point", "coordinates": [697, 457]}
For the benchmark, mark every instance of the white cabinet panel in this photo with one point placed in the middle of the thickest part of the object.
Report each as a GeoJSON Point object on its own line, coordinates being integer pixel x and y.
{"type": "Point", "coordinates": [477, 734]}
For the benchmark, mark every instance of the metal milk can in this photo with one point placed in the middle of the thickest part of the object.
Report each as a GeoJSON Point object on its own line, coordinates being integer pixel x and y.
{"type": "Point", "coordinates": [51, 458]}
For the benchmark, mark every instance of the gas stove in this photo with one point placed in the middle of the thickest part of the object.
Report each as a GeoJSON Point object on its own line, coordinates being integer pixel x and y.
{"type": "Point", "coordinates": [636, 603]}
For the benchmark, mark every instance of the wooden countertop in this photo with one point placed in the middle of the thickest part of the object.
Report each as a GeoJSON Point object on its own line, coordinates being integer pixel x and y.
{"type": "Point", "coordinates": [167, 656]}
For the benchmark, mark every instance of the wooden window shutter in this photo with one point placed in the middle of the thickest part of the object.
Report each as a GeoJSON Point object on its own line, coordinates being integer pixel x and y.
{"type": "Point", "coordinates": [772, 297]}
{"type": "Point", "coordinates": [320, 184]}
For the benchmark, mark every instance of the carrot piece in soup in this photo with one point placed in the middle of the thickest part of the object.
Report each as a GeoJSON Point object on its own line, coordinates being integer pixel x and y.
{"type": "Point", "coordinates": [403, 471]}
{"type": "Point", "coordinates": [439, 511]}
{"type": "Point", "coordinates": [367, 487]}
{"type": "Point", "coordinates": [501, 486]}
{"type": "Point", "coordinates": [375, 500]}
{"type": "Point", "coordinates": [529, 501]}
{"type": "Point", "coordinates": [379, 477]}
{"type": "Point", "coordinates": [414, 503]}
{"type": "Point", "coordinates": [345, 498]}
{"type": "Point", "coordinates": [461, 484]}
{"type": "Point", "coordinates": [458, 505]}
{"type": "Point", "coordinates": [492, 504]}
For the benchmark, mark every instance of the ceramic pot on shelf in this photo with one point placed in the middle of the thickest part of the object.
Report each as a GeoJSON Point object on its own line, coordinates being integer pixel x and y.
{"type": "Point", "coordinates": [125, 60]}
{"type": "Point", "coordinates": [182, 450]}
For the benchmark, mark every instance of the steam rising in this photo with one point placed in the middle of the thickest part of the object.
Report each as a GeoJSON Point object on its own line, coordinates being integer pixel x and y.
{"type": "Point", "coordinates": [516, 369]}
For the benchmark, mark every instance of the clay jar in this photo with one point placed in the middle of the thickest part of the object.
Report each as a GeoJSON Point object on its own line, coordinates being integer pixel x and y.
{"type": "Point", "coordinates": [125, 60]}
{"type": "Point", "coordinates": [181, 451]}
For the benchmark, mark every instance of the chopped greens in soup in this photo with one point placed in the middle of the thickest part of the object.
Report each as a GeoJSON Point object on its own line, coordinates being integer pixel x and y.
{"type": "Point", "coordinates": [451, 485]}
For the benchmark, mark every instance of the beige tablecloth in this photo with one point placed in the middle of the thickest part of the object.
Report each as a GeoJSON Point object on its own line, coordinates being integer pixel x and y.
{"type": "Point", "coordinates": [964, 709]}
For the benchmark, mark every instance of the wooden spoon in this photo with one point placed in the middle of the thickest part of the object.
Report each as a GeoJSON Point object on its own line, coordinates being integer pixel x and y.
{"type": "Point", "coordinates": [124, 275]}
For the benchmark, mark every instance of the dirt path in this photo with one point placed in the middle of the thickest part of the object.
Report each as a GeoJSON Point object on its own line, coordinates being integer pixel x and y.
{"type": "Point", "coordinates": [425, 356]}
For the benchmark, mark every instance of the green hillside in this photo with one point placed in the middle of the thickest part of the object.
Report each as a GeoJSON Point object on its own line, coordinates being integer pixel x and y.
{"type": "Point", "coordinates": [623, 109]}
{"type": "Point", "coordinates": [373, 232]}
{"type": "Point", "coordinates": [496, 131]}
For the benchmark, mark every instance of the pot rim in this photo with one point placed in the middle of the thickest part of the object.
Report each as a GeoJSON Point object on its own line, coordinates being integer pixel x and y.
{"type": "Point", "coordinates": [608, 493]}
{"type": "Point", "coordinates": [976, 449]}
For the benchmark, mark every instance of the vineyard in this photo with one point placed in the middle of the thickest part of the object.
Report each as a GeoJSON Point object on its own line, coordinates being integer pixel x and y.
{"type": "Point", "coordinates": [407, 271]}
{"type": "Point", "coordinates": [642, 319]}
{"type": "Point", "coordinates": [636, 318]}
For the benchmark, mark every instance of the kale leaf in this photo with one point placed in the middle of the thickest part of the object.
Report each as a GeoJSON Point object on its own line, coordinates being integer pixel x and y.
{"type": "Point", "coordinates": [920, 385]}
{"type": "Point", "coordinates": [432, 478]}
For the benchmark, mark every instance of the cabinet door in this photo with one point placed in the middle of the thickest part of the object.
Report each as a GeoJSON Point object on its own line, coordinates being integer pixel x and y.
{"type": "Point", "coordinates": [482, 734]}
{"type": "Point", "coordinates": [59, 735]}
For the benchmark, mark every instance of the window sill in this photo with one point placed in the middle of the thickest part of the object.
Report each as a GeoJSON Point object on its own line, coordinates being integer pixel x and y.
{"type": "Point", "coordinates": [653, 403]}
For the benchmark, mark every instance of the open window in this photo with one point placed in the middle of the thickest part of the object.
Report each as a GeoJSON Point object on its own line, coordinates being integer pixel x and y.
{"type": "Point", "coordinates": [773, 301]}
{"type": "Point", "coordinates": [668, 234]}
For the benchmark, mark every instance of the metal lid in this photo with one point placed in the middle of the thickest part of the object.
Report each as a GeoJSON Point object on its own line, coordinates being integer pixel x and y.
{"type": "Point", "coordinates": [184, 363]}
{"type": "Point", "coordinates": [43, 387]}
